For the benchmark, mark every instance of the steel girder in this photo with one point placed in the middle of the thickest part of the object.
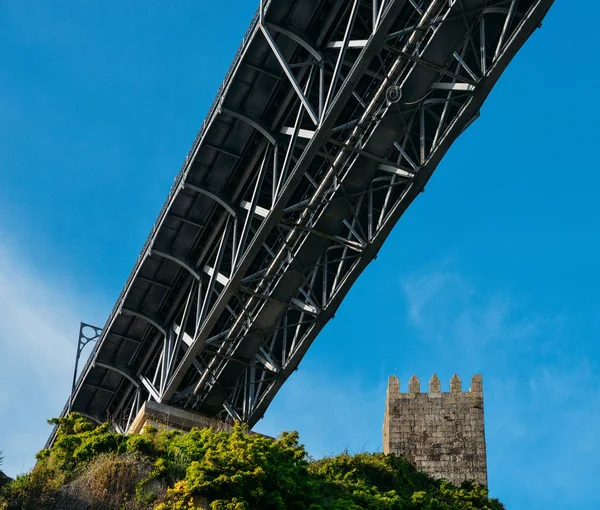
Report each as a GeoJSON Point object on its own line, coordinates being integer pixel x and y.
{"type": "Point", "coordinates": [373, 107]}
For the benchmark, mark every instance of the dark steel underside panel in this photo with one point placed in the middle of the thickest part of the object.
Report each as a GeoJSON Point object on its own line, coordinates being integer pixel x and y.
{"type": "Point", "coordinates": [304, 164]}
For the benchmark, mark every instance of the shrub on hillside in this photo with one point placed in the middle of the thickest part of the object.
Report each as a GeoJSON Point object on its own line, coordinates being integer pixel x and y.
{"type": "Point", "coordinates": [110, 482]}
{"type": "Point", "coordinates": [93, 467]}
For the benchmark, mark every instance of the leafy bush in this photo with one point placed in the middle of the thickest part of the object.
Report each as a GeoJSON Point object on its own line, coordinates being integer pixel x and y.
{"type": "Point", "coordinates": [238, 470]}
{"type": "Point", "coordinates": [169, 470]}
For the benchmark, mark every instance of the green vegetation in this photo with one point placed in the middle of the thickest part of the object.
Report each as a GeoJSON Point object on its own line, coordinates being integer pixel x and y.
{"type": "Point", "coordinates": [93, 468]}
{"type": "Point", "coordinates": [3, 478]}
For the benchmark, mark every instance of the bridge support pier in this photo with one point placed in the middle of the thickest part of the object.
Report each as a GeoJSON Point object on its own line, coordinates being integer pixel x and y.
{"type": "Point", "coordinates": [165, 417]}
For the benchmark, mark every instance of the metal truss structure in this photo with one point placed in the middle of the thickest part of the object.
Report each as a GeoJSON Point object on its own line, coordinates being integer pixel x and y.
{"type": "Point", "coordinates": [87, 334]}
{"type": "Point", "coordinates": [330, 121]}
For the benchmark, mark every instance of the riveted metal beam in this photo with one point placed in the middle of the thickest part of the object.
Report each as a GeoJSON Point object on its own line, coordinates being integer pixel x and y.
{"type": "Point", "coordinates": [256, 124]}
{"type": "Point", "coordinates": [298, 38]}
{"type": "Point", "coordinates": [147, 318]}
{"type": "Point", "coordinates": [211, 194]}
{"type": "Point", "coordinates": [125, 372]}
{"type": "Point", "coordinates": [182, 263]}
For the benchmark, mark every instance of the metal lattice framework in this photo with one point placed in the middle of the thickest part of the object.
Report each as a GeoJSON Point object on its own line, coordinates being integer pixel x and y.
{"type": "Point", "coordinates": [87, 334]}
{"type": "Point", "coordinates": [331, 120]}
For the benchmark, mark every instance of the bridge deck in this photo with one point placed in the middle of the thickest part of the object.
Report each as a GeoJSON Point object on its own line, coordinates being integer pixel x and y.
{"type": "Point", "coordinates": [330, 121]}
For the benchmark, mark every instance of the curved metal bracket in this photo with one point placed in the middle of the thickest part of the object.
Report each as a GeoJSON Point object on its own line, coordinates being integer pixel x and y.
{"type": "Point", "coordinates": [502, 10]}
{"type": "Point", "coordinates": [91, 417]}
{"type": "Point", "coordinates": [286, 69]}
{"type": "Point", "coordinates": [177, 261]}
{"type": "Point", "coordinates": [149, 320]}
{"type": "Point", "coordinates": [87, 334]}
{"type": "Point", "coordinates": [296, 38]}
{"type": "Point", "coordinates": [122, 371]}
{"type": "Point", "coordinates": [213, 195]}
{"type": "Point", "coordinates": [251, 122]}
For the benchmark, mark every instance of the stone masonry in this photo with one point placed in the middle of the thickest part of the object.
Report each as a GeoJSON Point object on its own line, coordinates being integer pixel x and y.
{"type": "Point", "coordinates": [165, 417]}
{"type": "Point", "coordinates": [442, 434]}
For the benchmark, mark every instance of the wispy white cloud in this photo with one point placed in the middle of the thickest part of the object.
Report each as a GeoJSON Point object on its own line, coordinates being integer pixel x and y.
{"type": "Point", "coordinates": [39, 317]}
{"type": "Point", "coordinates": [446, 307]}
{"type": "Point", "coordinates": [423, 288]}
{"type": "Point", "coordinates": [542, 389]}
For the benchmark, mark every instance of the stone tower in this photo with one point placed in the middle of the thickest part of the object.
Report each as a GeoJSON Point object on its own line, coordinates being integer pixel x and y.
{"type": "Point", "coordinates": [442, 434]}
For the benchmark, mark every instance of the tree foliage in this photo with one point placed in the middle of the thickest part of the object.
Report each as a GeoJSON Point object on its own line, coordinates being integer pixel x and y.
{"type": "Point", "coordinates": [93, 467]}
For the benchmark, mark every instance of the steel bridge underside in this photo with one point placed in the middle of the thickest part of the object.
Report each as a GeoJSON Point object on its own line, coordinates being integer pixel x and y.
{"type": "Point", "coordinates": [330, 121]}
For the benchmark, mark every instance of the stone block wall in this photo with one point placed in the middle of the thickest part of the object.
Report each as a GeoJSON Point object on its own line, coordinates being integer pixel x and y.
{"type": "Point", "coordinates": [441, 433]}
{"type": "Point", "coordinates": [165, 417]}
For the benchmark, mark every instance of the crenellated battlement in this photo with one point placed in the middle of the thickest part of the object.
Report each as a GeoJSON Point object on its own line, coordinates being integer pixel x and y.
{"type": "Point", "coordinates": [414, 387]}
{"type": "Point", "coordinates": [441, 432]}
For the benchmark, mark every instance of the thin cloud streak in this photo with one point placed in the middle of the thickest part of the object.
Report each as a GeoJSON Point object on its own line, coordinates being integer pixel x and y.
{"type": "Point", "coordinates": [541, 390]}
{"type": "Point", "coordinates": [38, 328]}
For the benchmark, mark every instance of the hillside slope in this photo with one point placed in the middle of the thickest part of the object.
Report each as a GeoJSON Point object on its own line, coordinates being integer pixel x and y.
{"type": "Point", "coordinates": [93, 468]}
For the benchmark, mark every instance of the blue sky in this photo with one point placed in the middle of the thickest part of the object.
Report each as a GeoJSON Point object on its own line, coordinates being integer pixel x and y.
{"type": "Point", "coordinates": [494, 269]}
